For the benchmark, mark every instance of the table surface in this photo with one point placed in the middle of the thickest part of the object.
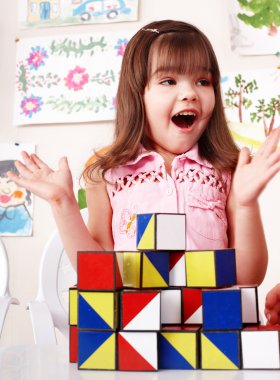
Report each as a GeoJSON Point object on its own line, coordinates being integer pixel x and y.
{"type": "Point", "coordinates": [51, 363]}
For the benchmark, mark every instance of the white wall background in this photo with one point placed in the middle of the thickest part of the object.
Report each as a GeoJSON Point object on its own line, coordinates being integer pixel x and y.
{"type": "Point", "coordinates": [53, 141]}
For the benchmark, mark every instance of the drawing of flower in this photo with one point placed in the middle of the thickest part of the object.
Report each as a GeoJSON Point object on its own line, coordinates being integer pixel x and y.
{"type": "Point", "coordinates": [36, 57]}
{"type": "Point", "coordinates": [121, 45]}
{"type": "Point", "coordinates": [30, 105]}
{"type": "Point", "coordinates": [76, 78]}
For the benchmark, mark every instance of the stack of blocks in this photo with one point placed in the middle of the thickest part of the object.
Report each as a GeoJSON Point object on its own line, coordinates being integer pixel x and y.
{"type": "Point", "coordinates": [163, 307]}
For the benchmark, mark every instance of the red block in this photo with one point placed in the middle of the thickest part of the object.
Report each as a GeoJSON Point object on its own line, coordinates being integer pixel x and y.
{"type": "Point", "coordinates": [73, 344]}
{"type": "Point", "coordinates": [192, 305]}
{"type": "Point", "coordinates": [98, 271]}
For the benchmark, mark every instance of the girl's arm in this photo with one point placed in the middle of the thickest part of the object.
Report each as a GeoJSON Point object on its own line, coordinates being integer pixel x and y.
{"type": "Point", "coordinates": [245, 231]}
{"type": "Point", "coordinates": [56, 187]}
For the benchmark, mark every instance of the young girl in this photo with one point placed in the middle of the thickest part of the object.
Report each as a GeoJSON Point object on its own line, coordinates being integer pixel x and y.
{"type": "Point", "coordinates": [172, 153]}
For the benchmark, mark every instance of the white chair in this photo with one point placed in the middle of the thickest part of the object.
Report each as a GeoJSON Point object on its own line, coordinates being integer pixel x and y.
{"type": "Point", "coordinates": [5, 297]}
{"type": "Point", "coordinates": [49, 311]}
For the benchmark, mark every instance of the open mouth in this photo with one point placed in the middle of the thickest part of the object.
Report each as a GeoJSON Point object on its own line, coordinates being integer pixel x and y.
{"type": "Point", "coordinates": [184, 119]}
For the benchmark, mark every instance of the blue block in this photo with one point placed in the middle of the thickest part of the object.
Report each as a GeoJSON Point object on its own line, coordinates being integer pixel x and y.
{"type": "Point", "coordinates": [222, 309]}
{"type": "Point", "coordinates": [225, 267]}
{"type": "Point", "coordinates": [222, 350]}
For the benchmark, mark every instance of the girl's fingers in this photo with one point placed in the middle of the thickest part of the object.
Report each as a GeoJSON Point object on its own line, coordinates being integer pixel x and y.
{"type": "Point", "coordinates": [23, 169]}
{"type": "Point", "coordinates": [270, 144]}
{"type": "Point", "coordinates": [38, 161]}
{"type": "Point", "coordinates": [29, 162]}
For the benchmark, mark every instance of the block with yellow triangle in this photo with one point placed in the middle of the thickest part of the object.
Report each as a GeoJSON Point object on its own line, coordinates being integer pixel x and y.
{"type": "Point", "coordinates": [97, 350]}
{"type": "Point", "coordinates": [145, 269]}
{"type": "Point", "coordinates": [160, 231]}
{"type": "Point", "coordinates": [73, 306]}
{"type": "Point", "coordinates": [220, 350]}
{"type": "Point", "coordinates": [98, 310]}
{"type": "Point", "coordinates": [178, 347]}
{"type": "Point", "coordinates": [155, 270]}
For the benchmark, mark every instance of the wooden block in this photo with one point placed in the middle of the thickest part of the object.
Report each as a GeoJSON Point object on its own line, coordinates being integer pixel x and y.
{"type": "Point", "coordinates": [211, 268]}
{"type": "Point", "coordinates": [177, 269]}
{"type": "Point", "coordinates": [192, 305]}
{"type": "Point", "coordinates": [97, 350]}
{"type": "Point", "coordinates": [171, 306]}
{"type": "Point", "coordinates": [131, 269]}
{"type": "Point", "coordinates": [73, 344]}
{"type": "Point", "coordinates": [99, 270]}
{"type": "Point", "coordinates": [178, 347]}
{"type": "Point", "coordinates": [260, 347]}
{"type": "Point", "coordinates": [220, 350]}
{"type": "Point", "coordinates": [161, 232]}
{"type": "Point", "coordinates": [250, 307]}
{"type": "Point", "coordinates": [137, 351]}
{"type": "Point", "coordinates": [140, 310]}
{"type": "Point", "coordinates": [73, 306]}
{"type": "Point", "coordinates": [222, 309]}
{"type": "Point", "coordinates": [145, 269]}
{"type": "Point", "coordinates": [98, 310]}
{"type": "Point", "coordinates": [155, 270]}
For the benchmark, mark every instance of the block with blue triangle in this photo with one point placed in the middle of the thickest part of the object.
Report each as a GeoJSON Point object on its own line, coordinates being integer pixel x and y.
{"type": "Point", "coordinates": [155, 270]}
{"type": "Point", "coordinates": [220, 350]}
{"type": "Point", "coordinates": [97, 350]}
{"type": "Point", "coordinates": [98, 310]}
{"type": "Point", "coordinates": [157, 232]}
{"type": "Point", "coordinates": [178, 347]}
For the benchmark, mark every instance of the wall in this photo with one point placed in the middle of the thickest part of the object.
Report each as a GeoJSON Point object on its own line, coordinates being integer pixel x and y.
{"type": "Point", "coordinates": [51, 141]}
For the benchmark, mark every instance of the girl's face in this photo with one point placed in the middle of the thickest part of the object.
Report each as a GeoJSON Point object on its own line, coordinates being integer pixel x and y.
{"type": "Point", "coordinates": [178, 108]}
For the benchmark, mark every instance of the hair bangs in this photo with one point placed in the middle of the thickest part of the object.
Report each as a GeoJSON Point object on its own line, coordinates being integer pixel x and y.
{"type": "Point", "coordinates": [183, 53]}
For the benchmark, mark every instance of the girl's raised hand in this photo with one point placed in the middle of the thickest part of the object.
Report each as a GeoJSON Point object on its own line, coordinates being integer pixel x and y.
{"type": "Point", "coordinates": [253, 173]}
{"type": "Point", "coordinates": [41, 180]}
{"type": "Point", "coordinates": [272, 306]}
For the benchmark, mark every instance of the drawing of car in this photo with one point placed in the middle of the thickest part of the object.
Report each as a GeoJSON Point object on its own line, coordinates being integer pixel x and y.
{"type": "Point", "coordinates": [92, 8]}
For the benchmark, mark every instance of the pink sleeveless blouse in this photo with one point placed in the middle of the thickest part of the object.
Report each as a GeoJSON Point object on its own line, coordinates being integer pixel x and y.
{"type": "Point", "coordinates": [194, 188]}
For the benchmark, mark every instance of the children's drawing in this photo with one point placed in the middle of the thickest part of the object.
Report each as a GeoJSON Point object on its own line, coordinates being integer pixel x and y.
{"type": "Point", "coordinates": [16, 203]}
{"type": "Point", "coordinates": [68, 78]}
{"type": "Point", "coordinates": [252, 105]}
{"type": "Point", "coordinates": [66, 12]}
{"type": "Point", "coordinates": [255, 26]}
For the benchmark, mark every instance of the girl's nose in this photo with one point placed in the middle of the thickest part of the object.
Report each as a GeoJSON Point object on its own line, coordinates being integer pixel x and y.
{"type": "Point", "coordinates": [187, 94]}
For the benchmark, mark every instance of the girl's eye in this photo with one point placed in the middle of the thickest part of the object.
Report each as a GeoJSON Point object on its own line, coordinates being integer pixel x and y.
{"type": "Point", "coordinates": [203, 82]}
{"type": "Point", "coordinates": [168, 82]}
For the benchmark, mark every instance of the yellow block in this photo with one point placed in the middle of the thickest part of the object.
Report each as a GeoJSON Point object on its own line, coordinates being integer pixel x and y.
{"type": "Point", "coordinates": [131, 269]}
{"type": "Point", "coordinates": [73, 307]}
{"type": "Point", "coordinates": [200, 268]}
{"type": "Point", "coordinates": [148, 238]}
{"type": "Point", "coordinates": [151, 278]}
{"type": "Point", "coordinates": [212, 357]}
{"type": "Point", "coordinates": [104, 357]}
{"type": "Point", "coordinates": [185, 344]}
{"type": "Point", "coordinates": [103, 304]}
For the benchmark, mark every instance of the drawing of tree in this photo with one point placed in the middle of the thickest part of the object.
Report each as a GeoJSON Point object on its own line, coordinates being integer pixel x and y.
{"type": "Point", "coordinates": [234, 98]}
{"type": "Point", "coordinates": [266, 112]}
{"type": "Point", "coordinates": [263, 13]}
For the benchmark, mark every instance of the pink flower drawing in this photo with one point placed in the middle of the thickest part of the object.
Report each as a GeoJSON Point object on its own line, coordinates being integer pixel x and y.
{"type": "Point", "coordinates": [120, 47]}
{"type": "Point", "coordinates": [76, 79]}
{"type": "Point", "coordinates": [36, 57]}
{"type": "Point", "coordinates": [30, 105]}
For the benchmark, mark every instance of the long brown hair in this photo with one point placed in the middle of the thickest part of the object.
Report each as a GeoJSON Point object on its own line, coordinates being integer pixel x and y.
{"type": "Point", "coordinates": [180, 47]}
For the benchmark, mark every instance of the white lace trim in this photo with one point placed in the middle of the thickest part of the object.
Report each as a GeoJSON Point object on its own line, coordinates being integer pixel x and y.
{"type": "Point", "coordinates": [192, 175]}
{"type": "Point", "coordinates": [196, 175]}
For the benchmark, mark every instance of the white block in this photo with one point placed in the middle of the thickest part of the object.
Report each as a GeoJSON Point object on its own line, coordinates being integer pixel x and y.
{"type": "Point", "coordinates": [177, 271]}
{"type": "Point", "coordinates": [260, 349]}
{"type": "Point", "coordinates": [249, 300]}
{"type": "Point", "coordinates": [171, 309]}
{"type": "Point", "coordinates": [171, 232]}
